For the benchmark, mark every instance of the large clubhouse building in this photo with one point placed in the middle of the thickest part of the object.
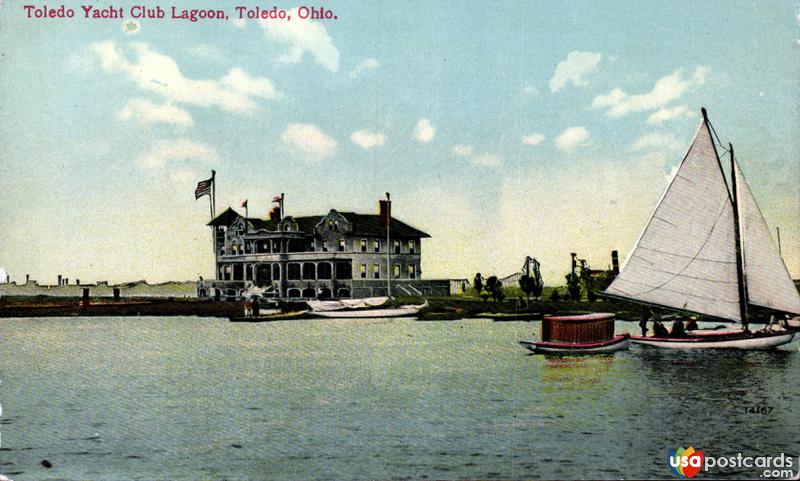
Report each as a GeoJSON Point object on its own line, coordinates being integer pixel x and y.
{"type": "Point", "coordinates": [338, 255]}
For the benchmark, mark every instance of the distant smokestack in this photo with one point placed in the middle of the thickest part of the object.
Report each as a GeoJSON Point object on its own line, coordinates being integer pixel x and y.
{"type": "Point", "coordinates": [59, 279]}
{"type": "Point", "coordinates": [615, 262]}
{"type": "Point", "coordinates": [27, 278]}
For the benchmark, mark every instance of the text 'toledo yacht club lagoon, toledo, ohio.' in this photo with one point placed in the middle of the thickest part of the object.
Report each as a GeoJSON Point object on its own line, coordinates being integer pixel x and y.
{"type": "Point", "coordinates": [399, 240]}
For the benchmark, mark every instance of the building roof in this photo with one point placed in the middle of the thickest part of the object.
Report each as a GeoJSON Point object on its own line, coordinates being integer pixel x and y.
{"type": "Point", "coordinates": [363, 224]}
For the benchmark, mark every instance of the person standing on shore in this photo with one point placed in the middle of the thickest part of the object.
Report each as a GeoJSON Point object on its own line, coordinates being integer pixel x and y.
{"type": "Point", "coordinates": [248, 307]}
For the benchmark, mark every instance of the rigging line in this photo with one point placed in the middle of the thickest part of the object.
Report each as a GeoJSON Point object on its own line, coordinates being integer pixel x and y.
{"type": "Point", "coordinates": [705, 241]}
{"type": "Point", "coordinates": [692, 296]}
{"type": "Point", "coordinates": [679, 274]}
{"type": "Point", "coordinates": [719, 142]}
{"type": "Point", "coordinates": [696, 258]}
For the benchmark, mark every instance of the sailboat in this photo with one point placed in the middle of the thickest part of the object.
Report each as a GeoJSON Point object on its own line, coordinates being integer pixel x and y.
{"type": "Point", "coordinates": [707, 250]}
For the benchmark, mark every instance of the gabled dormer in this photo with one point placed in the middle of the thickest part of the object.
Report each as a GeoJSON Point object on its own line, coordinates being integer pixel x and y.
{"type": "Point", "coordinates": [333, 224]}
{"type": "Point", "coordinates": [288, 224]}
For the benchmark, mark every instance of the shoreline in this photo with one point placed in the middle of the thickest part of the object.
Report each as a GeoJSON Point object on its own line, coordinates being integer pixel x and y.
{"type": "Point", "coordinates": [441, 308]}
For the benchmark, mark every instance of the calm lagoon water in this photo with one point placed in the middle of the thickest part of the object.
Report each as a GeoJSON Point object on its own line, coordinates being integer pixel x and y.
{"type": "Point", "coordinates": [194, 398]}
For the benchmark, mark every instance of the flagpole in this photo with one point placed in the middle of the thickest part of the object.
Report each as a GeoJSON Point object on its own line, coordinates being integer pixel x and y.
{"type": "Point", "coordinates": [213, 193]}
{"type": "Point", "coordinates": [283, 212]}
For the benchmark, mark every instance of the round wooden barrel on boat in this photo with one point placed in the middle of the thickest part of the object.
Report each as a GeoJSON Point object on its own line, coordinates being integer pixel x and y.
{"type": "Point", "coordinates": [583, 329]}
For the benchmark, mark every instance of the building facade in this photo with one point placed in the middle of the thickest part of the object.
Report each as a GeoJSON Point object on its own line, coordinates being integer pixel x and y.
{"type": "Point", "coordinates": [337, 255]}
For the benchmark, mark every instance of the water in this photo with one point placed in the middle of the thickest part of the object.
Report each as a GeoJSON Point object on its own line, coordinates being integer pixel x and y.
{"type": "Point", "coordinates": [193, 398]}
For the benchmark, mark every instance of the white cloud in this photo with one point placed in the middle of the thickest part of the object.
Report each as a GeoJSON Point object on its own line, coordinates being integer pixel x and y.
{"type": "Point", "coordinates": [487, 159]}
{"type": "Point", "coordinates": [366, 139]}
{"type": "Point", "coordinates": [571, 138]}
{"type": "Point", "coordinates": [365, 66]}
{"type": "Point", "coordinates": [180, 150]}
{"type": "Point", "coordinates": [533, 139]}
{"type": "Point", "coordinates": [147, 112]}
{"type": "Point", "coordinates": [308, 141]}
{"type": "Point", "coordinates": [207, 52]}
{"type": "Point", "coordinates": [301, 37]}
{"type": "Point", "coordinates": [656, 141]}
{"type": "Point", "coordinates": [666, 89]}
{"type": "Point", "coordinates": [424, 131]}
{"type": "Point", "coordinates": [664, 114]}
{"type": "Point", "coordinates": [573, 69]}
{"type": "Point", "coordinates": [530, 90]}
{"type": "Point", "coordinates": [463, 150]}
{"type": "Point", "coordinates": [238, 22]}
{"type": "Point", "coordinates": [158, 73]}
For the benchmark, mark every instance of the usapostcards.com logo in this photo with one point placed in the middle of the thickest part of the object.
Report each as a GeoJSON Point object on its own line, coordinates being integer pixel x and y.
{"type": "Point", "coordinates": [686, 463]}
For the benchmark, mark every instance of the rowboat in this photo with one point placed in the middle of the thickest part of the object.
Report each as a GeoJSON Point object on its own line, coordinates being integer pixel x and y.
{"type": "Point", "coordinates": [581, 334]}
{"type": "Point", "coordinates": [617, 343]}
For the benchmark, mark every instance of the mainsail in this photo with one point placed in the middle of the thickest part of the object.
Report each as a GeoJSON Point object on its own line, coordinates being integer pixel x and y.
{"type": "Point", "coordinates": [767, 279]}
{"type": "Point", "coordinates": [686, 256]}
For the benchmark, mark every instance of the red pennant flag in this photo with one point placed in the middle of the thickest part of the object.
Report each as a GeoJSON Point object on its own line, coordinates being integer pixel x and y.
{"type": "Point", "coordinates": [276, 198]}
{"type": "Point", "coordinates": [244, 204]}
{"type": "Point", "coordinates": [386, 212]}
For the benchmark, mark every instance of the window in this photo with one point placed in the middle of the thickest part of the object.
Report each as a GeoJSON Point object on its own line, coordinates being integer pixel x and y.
{"type": "Point", "coordinates": [412, 271]}
{"type": "Point", "coordinates": [309, 270]}
{"type": "Point", "coordinates": [412, 246]}
{"type": "Point", "coordinates": [324, 246]}
{"type": "Point", "coordinates": [376, 245]}
{"type": "Point", "coordinates": [344, 270]}
{"type": "Point", "coordinates": [324, 270]}
{"type": "Point", "coordinates": [397, 247]}
{"type": "Point", "coordinates": [396, 271]}
{"type": "Point", "coordinates": [376, 271]}
{"type": "Point", "coordinates": [342, 245]}
{"type": "Point", "coordinates": [293, 271]}
{"type": "Point", "coordinates": [363, 245]}
{"type": "Point", "coordinates": [362, 269]}
{"type": "Point", "coordinates": [276, 272]}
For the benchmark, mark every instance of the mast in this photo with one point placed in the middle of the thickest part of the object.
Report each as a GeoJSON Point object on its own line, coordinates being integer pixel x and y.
{"type": "Point", "coordinates": [739, 251]}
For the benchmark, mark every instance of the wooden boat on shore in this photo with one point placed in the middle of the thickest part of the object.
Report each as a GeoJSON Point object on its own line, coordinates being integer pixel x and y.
{"type": "Point", "coordinates": [402, 311]}
{"type": "Point", "coordinates": [707, 250]}
{"type": "Point", "coordinates": [582, 334]}
{"type": "Point", "coordinates": [361, 309]}
{"type": "Point", "coordinates": [271, 316]}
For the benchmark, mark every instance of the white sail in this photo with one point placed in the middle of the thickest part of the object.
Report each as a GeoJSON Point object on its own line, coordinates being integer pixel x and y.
{"type": "Point", "coordinates": [767, 279]}
{"type": "Point", "coordinates": [686, 256]}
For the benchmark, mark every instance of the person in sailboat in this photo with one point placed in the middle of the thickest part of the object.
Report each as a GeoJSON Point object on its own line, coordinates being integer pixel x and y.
{"type": "Point", "coordinates": [678, 329]}
{"type": "Point", "coordinates": [692, 324]}
{"type": "Point", "coordinates": [658, 329]}
{"type": "Point", "coordinates": [643, 322]}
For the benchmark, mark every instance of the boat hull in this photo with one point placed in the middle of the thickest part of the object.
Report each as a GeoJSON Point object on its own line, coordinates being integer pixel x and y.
{"type": "Point", "coordinates": [368, 313]}
{"type": "Point", "coordinates": [618, 343]}
{"type": "Point", "coordinates": [749, 342]}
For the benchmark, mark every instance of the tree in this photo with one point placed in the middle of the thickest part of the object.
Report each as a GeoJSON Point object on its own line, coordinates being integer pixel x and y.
{"type": "Point", "coordinates": [531, 280]}
{"type": "Point", "coordinates": [477, 283]}
{"type": "Point", "coordinates": [495, 288]}
{"type": "Point", "coordinates": [554, 295]}
{"type": "Point", "coordinates": [574, 286]}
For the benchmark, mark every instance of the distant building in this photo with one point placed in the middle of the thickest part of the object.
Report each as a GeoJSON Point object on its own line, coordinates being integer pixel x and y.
{"type": "Point", "coordinates": [340, 254]}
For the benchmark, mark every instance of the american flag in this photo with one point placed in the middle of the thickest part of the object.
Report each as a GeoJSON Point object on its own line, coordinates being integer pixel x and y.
{"type": "Point", "coordinates": [276, 198]}
{"type": "Point", "coordinates": [203, 188]}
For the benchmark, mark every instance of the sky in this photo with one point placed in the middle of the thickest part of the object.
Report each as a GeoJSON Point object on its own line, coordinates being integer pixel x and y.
{"type": "Point", "coordinates": [502, 129]}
